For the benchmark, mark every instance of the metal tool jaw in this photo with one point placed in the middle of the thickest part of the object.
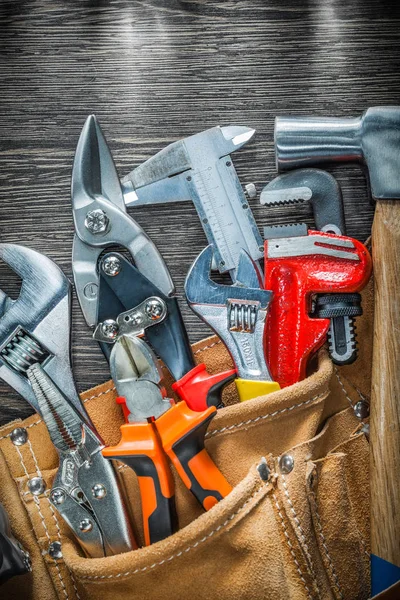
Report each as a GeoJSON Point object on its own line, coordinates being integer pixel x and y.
{"type": "Point", "coordinates": [14, 560]}
{"type": "Point", "coordinates": [84, 490]}
{"type": "Point", "coordinates": [199, 169]}
{"type": "Point", "coordinates": [314, 186]}
{"type": "Point", "coordinates": [101, 221]}
{"type": "Point", "coordinates": [36, 326]}
{"type": "Point", "coordinates": [237, 314]}
{"type": "Point", "coordinates": [138, 378]}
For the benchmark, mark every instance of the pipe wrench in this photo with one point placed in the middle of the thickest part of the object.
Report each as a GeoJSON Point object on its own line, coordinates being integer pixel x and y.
{"type": "Point", "coordinates": [199, 169]}
{"type": "Point", "coordinates": [297, 268]}
{"type": "Point", "coordinates": [322, 192]}
{"type": "Point", "coordinates": [35, 360]}
{"type": "Point", "coordinates": [237, 314]}
{"type": "Point", "coordinates": [116, 296]}
{"type": "Point", "coordinates": [158, 427]}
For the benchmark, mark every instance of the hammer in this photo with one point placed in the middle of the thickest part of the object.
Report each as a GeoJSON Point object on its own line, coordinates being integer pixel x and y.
{"type": "Point", "coordinates": [373, 140]}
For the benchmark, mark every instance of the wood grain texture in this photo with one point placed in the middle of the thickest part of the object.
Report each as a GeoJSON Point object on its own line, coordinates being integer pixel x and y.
{"type": "Point", "coordinates": [385, 405]}
{"type": "Point", "coordinates": [154, 71]}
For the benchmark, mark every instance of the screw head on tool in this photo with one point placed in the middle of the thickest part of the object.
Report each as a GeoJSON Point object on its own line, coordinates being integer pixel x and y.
{"type": "Point", "coordinates": [54, 550]}
{"type": "Point", "coordinates": [250, 190]}
{"type": "Point", "coordinates": [86, 525]}
{"type": "Point", "coordinates": [36, 486]}
{"type": "Point", "coordinates": [286, 463]}
{"type": "Point", "coordinates": [99, 491]}
{"type": "Point", "coordinates": [57, 497]}
{"type": "Point", "coordinates": [361, 409]}
{"type": "Point", "coordinates": [111, 266]}
{"type": "Point", "coordinates": [19, 436]}
{"type": "Point", "coordinates": [109, 329]}
{"type": "Point", "coordinates": [154, 309]}
{"type": "Point", "coordinates": [96, 221]}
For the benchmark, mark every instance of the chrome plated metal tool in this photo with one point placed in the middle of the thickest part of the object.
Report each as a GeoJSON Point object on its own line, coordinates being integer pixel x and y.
{"type": "Point", "coordinates": [237, 314]}
{"type": "Point", "coordinates": [35, 361]}
{"type": "Point", "coordinates": [118, 297]}
{"type": "Point", "coordinates": [199, 169]}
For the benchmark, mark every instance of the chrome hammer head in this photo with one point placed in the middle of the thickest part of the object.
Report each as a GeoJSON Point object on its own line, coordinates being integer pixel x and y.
{"type": "Point", "coordinates": [237, 314]}
{"type": "Point", "coordinates": [35, 328]}
{"type": "Point", "coordinates": [372, 139]}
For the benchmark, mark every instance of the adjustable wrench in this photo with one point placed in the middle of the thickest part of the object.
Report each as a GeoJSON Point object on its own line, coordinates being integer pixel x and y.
{"type": "Point", "coordinates": [297, 268]}
{"type": "Point", "coordinates": [237, 315]}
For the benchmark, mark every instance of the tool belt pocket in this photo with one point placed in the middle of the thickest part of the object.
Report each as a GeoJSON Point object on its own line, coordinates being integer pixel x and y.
{"type": "Point", "coordinates": [294, 525]}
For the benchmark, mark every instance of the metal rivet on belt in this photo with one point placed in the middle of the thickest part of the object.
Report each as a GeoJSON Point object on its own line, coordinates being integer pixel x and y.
{"type": "Point", "coordinates": [361, 409]}
{"type": "Point", "coordinates": [286, 463]}
{"type": "Point", "coordinates": [36, 485]}
{"type": "Point", "coordinates": [55, 550]}
{"type": "Point", "coordinates": [263, 470]}
{"type": "Point", "coordinates": [19, 436]}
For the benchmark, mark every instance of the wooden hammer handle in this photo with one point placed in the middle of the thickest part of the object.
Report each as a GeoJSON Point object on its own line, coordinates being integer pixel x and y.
{"type": "Point", "coordinates": [385, 400]}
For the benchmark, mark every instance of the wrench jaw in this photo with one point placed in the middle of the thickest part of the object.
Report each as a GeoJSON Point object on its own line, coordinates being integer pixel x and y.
{"type": "Point", "coordinates": [36, 326]}
{"type": "Point", "coordinates": [237, 315]}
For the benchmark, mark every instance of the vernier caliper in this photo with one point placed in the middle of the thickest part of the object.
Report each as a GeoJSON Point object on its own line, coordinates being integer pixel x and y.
{"type": "Point", "coordinates": [199, 169]}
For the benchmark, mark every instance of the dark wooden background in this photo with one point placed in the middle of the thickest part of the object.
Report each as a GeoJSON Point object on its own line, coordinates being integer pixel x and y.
{"type": "Point", "coordinates": [154, 71]}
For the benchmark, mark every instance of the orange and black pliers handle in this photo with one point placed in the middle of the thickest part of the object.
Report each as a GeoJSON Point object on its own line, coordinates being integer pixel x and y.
{"type": "Point", "coordinates": [140, 449]}
{"type": "Point", "coordinates": [179, 434]}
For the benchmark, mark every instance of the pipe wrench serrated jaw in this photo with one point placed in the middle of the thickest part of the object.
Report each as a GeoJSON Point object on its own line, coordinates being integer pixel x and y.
{"type": "Point", "coordinates": [236, 314]}
{"type": "Point", "coordinates": [36, 326]}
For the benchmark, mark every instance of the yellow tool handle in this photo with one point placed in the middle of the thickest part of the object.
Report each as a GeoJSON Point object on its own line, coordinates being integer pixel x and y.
{"type": "Point", "coordinates": [249, 388]}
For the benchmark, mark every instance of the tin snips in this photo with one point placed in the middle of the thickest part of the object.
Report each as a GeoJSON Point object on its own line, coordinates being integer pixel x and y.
{"type": "Point", "coordinates": [35, 361]}
{"type": "Point", "coordinates": [120, 296]}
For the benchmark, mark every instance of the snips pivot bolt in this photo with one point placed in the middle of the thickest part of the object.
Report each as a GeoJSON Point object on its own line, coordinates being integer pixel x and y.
{"type": "Point", "coordinates": [111, 265]}
{"type": "Point", "coordinates": [110, 329]}
{"type": "Point", "coordinates": [154, 309]}
{"type": "Point", "coordinates": [36, 486]}
{"type": "Point", "coordinates": [19, 436]}
{"type": "Point", "coordinates": [99, 491]}
{"type": "Point", "coordinates": [286, 463]}
{"type": "Point", "coordinates": [96, 221]}
{"type": "Point", "coordinates": [54, 550]}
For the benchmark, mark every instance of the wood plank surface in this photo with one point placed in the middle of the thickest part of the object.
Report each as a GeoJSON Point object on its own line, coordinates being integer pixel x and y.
{"type": "Point", "coordinates": [154, 71]}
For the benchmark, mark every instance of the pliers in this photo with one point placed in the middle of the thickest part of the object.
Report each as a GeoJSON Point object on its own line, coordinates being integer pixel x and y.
{"type": "Point", "coordinates": [158, 427]}
{"type": "Point", "coordinates": [35, 360]}
{"type": "Point", "coordinates": [110, 287]}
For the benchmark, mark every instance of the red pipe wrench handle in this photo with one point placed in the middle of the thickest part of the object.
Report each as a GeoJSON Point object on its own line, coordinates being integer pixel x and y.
{"type": "Point", "coordinates": [291, 335]}
{"type": "Point", "coordinates": [200, 390]}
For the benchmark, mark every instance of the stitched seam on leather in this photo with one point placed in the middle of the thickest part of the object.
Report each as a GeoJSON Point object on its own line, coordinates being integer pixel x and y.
{"type": "Point", "coordinates": [111, 389]}
{"type": "Point", "coordinates": [37, 503]}
{"type": "Point", "coordinates": [187, 549]}
{"type": "Point", "coordinates": [291, 547]}
{"type": "Point", "coordinates": [320, 531]}
{"type": "Point", "coordinates": [302, 535]}
{"type": "Point", "coordinates": [343, 388]}
{"type": "Point", "coordinates": [263, 417]}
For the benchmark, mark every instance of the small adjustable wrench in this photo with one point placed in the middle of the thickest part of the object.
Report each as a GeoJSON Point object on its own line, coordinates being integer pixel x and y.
{"type": "Point", "coordinates": [237, 314]}
{"type": "Point", "coordinates": [296, 268]}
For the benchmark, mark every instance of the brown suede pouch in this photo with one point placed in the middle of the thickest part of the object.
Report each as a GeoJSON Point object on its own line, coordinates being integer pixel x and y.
{"type": "Point", "coordinates": [280, 534]}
